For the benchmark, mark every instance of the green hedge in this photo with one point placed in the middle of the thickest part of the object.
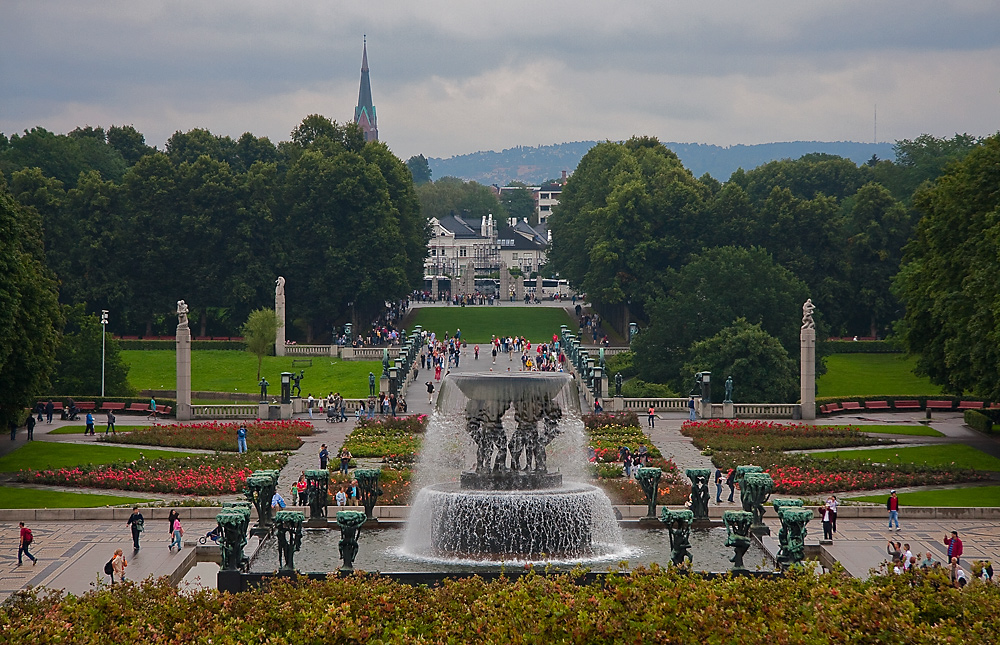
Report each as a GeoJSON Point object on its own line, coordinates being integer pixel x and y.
{"type": "Point", "coordinates": [127, 400]}
{"type": "Point", "coordinates": [620, 363]}
{"type": "Point", "coordinates": [979, 421]}
{"type": "Point", "coordinates": [861, 347]}
{"type": "Point", "coordinates": [169, 344]}
{"type": "Point", "coordinates": [824, 400]}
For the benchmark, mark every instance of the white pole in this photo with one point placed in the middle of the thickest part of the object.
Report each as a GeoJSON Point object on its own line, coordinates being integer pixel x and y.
{"type": "Point", "coordinates": [104, 333]}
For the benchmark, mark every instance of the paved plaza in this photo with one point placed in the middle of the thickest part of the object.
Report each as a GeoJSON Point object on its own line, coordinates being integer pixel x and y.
{"type": "Point", "coordinates": [73, 545]}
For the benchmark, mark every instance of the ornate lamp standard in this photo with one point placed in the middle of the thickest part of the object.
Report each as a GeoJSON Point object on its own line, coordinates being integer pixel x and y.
{"type": "Point", "coordinates": [104, 332]}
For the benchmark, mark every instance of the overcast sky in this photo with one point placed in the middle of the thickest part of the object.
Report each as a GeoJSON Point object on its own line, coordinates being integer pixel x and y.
{"type": "Point", "coordinates": [452, 77]}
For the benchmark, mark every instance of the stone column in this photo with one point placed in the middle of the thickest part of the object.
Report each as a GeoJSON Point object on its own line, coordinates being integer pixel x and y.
{"type": "Point", "coordinates": [807, 373]}
{"type": "Point", "coordinates": [538, 286]}
{"type": "Point", "coordinates": [279, 309]}
{"type": "Point", "coordinates": [504, 282]}
{"type": "Point", "coordinates": [183, 347]}
{"type": "Point", "coordinates": [434, 289]}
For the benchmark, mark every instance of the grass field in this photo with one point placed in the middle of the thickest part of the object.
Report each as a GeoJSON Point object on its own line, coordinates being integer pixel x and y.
{"type": "Point", "coordinates": [215, 370]}
{"type": "Point", "coordinates": [959, 455]}
{"type": "Point", "coordinates": [99, 429]}
{"type": "Point", "coordinates": [42, 455]}
{"type": "Point", "coordinates": [913, 431]}
{"type": "Point", "coordinates": [975, 496]}
{"type": "Point", "coordinates": [873, 374]}
{"type": "Point", "coordinates": [479, 324]}
{"type": "Point", "coordinates": [13, 497]}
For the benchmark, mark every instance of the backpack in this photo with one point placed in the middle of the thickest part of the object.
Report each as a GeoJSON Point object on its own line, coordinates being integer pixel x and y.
{"type": "Point", "coordinates": [28, 537]}
{"type": "Point", "coordinates": [109, 568]}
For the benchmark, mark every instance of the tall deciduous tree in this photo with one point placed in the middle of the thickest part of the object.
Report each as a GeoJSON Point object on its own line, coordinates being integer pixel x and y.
{"type": "Point", "coordinates": [761, 368]}
{"type": "Point", "coordinates": [30, 319]}
{"type": "Point", "coordinates": [78, 358]}
{"type": "Point", "coordinates": [948, 279]}
{"type": "Point", "coordinates": [419, 168]}
{"type": "Point", "coordinates": [259, 332]}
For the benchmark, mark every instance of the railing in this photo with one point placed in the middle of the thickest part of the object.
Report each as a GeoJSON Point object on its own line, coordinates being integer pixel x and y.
{"type": "Point", "coordinates": [310, 350]}
{"type": "Point", "coordinates": [242, 411]}
{"type": "Point", "coordinates": [368, 353]}
{"type": "Point", "coordinates": [660, 405]}
{"type": "Point", "coordinates": [765, 410]}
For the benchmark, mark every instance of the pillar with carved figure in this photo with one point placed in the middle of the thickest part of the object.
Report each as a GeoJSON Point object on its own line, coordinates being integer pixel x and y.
{"type": "Point", "coordinates": [279, 310]}
{"type": "Point", "coordinates": [807, 368]}
{"type": "Point", "coordinates": [183, 347]}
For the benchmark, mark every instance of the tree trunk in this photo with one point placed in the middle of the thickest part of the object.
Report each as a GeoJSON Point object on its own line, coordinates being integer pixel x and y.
{"type": "Point", "coordinates": [149, 328]}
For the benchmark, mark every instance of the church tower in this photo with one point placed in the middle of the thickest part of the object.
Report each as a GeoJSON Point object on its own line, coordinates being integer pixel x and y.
{"type": "Point", "coordinates": [364, 114]}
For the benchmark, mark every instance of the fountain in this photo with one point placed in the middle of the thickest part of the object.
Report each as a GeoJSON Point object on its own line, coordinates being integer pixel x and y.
{"type": "Point", "coordinates": [510, 506]}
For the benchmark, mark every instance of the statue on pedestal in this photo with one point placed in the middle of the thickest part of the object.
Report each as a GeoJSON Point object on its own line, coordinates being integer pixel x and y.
{"type": "Point", "coordinates": [807, 314]}
{"type": "Point", "coordinates": [350, 523]}
{"type": "Point", "coordinates": [369, 489]}
{"type": "Point", "coordinates": [618, 384]}
{"type": "Point", "coordinates": [679, 525]}
{"type": "Point", "coordinates": [288, 525]}
{"type": "Point", "coordinates": [649, 480]}
{"type": "Point", "coordinates": [279, 286]}
{"type": "Point", "coordinates": [699, 491]}
{"type": "Point", "coordinates": [263, 389]}
{"type": "Point", "coordinates": [738, 524]}
{"type": "Point", "coordinates": [729, 390]}
{"type": "Point", "coordinates": [296, 383]}
{"type": "Point", "coordinates": [182, 314]}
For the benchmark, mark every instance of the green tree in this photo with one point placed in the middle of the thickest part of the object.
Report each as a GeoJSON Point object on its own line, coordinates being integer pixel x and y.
{"type": "Point", "coordinates": [948, 278]}
{"type": "Point", "coordinates": [419, 168]}
{"type": "Point", "coordinates": [520, 204]}
{"type": "Point", "coordinates": [761, 368]}
{"type": "Point", "coordinates": [453, 196]}
{"type": "Point", "coordinates": [921, 160]}
{"type": "Point", "coordinates": [78, 358]}
{"type": "Point", "coordinates": [129, 142]}
{"type": "Point", "coordinates": [715, 288]}
{"type": "Point", "coordinates": [259, 332]}
{"type": "Point", "coordinates": [30, 319]}
{"type": "Point", "coordinates": [63, 157]}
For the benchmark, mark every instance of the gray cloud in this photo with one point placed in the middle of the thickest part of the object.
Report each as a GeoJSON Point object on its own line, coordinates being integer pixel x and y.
{"type": "Point", "coordinates": [453, 77]}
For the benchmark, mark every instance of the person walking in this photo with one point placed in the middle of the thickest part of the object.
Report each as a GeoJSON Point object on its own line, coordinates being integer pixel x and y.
{"type": "Point", "coordinates": [892, 505]}
{"type": "Point", "coordinates": [152, 409]}
{"type": "Point", "coordinates": [652, 415]}
{"type": "Point", "coordinates": [345, 460]}
{"type": "Point", "coordinates": [731, 483]}
{"type": "Point", "coordinates": [178, 532]}
{"type": "Point", "coordinates": [241, 438]}
{"type": "Point", "coordinates": [300, 487]}
{"type": "Point", "coordinates": [173, 515]}
{"type": "Point", "coordinates": [430, 393]}
{"type": "Point", "coordinates": [13, 427]}
{"type": "Point", "coordinates": [111, 424]}
{"type": "Point", "coordinates": [827, 523]}
{"type": "Point", "coordinates": [718, 485]}
{"type": "Point", "coordinates": [90, 424]}
{"type": "Point", "coordinates": [324, 457]}
{"type": "Point", "coordinates": [25, 540]}
{"type": "Point", "coordinates": [29, 425]}
{"type": "Point", "coordinates": [137, 523]}
{"type": "Point", "coordinates": [832, 502]}
{"type": "Point", "coordinates": [309, 404]}
{"type": "Point", "coordinates": [691, 413]}
{"type": "Point", "coordinates": [118, 564]}
{"type": "Point", "coordinates": [476, 351]}
{"type": "Point", "coordinates": [50, 407]}
{"type": "Point", "coordinates": [954, 547]}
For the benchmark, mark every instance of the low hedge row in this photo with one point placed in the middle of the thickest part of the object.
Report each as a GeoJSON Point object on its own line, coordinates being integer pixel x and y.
{"type": "Point", "coordinates": [982, 421]}
{"type": "Point", "coordinates": [824, 400]}
{"type": "Point", "coordinates": [170, 344]}
{"type": "Point", "coordinates": [100, 400]}
{"type": "Point", "coordinates": [861, 347]}
{"type": "Point", "coordinates": [642, 606]}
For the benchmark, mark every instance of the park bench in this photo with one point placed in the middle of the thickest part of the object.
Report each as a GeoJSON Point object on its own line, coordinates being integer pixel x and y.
{"type": "Point", "coordinates": [970, 405]}
{"type": "Point", "coordinates": [161, 411]}
{"type": "Point", "coordinates": [86, 405]}
{"type": "Point", "coordinates": [876, 405]}
{"type": "Point", "coordinates": [57, 406]}
{"type": "Point", "coordinates": [907, 404]}
{"type": "Point", "coordinates": [138, 407]}
{"type": "Point", "coordinates": [940, 405]}
{"type": "Point", "coordinates": [851, 405]}
{"type": "Point", "coordinates": [830, 408]}
{"type": "Point", "coordinates": [112, 405]}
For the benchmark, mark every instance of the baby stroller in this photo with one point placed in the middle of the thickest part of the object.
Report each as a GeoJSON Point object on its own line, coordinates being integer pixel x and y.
{"type": "Point", "coordinates": [331, 414]}
{"type": "Point", "coordinates": [212, 535]}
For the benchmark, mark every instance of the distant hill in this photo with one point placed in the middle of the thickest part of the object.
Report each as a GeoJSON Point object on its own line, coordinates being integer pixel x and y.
{"type": "Point", "coordinates": [534, 165]}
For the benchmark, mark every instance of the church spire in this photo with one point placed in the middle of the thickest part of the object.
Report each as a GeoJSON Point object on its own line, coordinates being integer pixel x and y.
{"type": "Point", "coordinates": [364, 114]}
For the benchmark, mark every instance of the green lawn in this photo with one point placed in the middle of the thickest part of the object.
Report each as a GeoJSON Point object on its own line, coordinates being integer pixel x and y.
{"type": "Point", "coordinates": [480, 323]}
{"type": "Point", "coordinates": [12, 497]}
{"type": "Point", "coordinates": [914, 431]}
{"type": "Point", "coordinates": [99, 429]}
{"type": "Point", "coordinates": [216, 370]}
{"type": "Point", "coordinates": [959, 455]}
{"type": "Point", "coordinates": [873, 374]}
{"type": "Point", "coordinates": [42, 455]}
{"type": "Point", "coordinates": [975, 496]}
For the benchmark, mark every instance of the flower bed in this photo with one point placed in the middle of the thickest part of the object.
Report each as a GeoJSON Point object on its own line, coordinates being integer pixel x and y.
{"type": "Point", "coordinates": [215, 435]}
{"type": "Point", "coordinates": [606, 419]}
{"type": "Point", "coordinates": [395, 439]}
{"type": "Point", "coordinates": [395, 482]}
{"type": "Point", "coordinates": [207, 475]}
{"type": "Point", "coordinates": [730, 434]}
{"type": "Point", "coordinates": [805, 475]}
{"type": "Point", "coordinates": [643, 606]}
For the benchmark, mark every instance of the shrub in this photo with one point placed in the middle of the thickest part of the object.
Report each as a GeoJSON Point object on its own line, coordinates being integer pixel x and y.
{"type": "Point", "coordinates": [620, 363]}
{"type": "Point", "coordinates": [636, 388]}
{"type": "Point", "coordinates": [979, 421]}
{"type": "Point", "coordinates": [598, 420]}
{"type": "Point", "coordinates": [727, 434]}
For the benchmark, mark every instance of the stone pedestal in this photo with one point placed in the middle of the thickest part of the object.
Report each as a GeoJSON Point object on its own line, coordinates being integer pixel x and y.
{"type": "Point", "coordinates": [298, 405]}
{"type": "Point", "coordinates": [728, 412]}
{"type": "Point", "coordinates": [183, 410]}
{"type": "Point", "coordinates": [286, 410]}
{"type": "Point", "coordinates": [279, 310]}
{"type": "Point", "coordinates": [383, 384]}
{"type": "Point", "coordinates": [807, 341]}
{"type": "Point", "coordinates": [617, 404]}
{"type": "Point", "coordinates": [262, 411]}
{"type": "Point", "coordinates": [435, 290]}
{"type": "Point", "coordinates": [706, 409]}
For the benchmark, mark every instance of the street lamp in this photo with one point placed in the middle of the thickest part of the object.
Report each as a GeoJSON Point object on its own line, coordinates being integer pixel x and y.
{"type": "Point", "coordinates": [104, 332]}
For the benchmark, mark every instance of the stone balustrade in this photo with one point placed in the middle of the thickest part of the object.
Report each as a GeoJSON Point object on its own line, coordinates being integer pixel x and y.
{"type": "Point", "coordinates": [765, 410]}
{"type": "Point", "coordinates": [237, 411]}
{"type": "Point", "coordinates": [310, 350]}
{"type": "Point", "coordinates": [660, 405]}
